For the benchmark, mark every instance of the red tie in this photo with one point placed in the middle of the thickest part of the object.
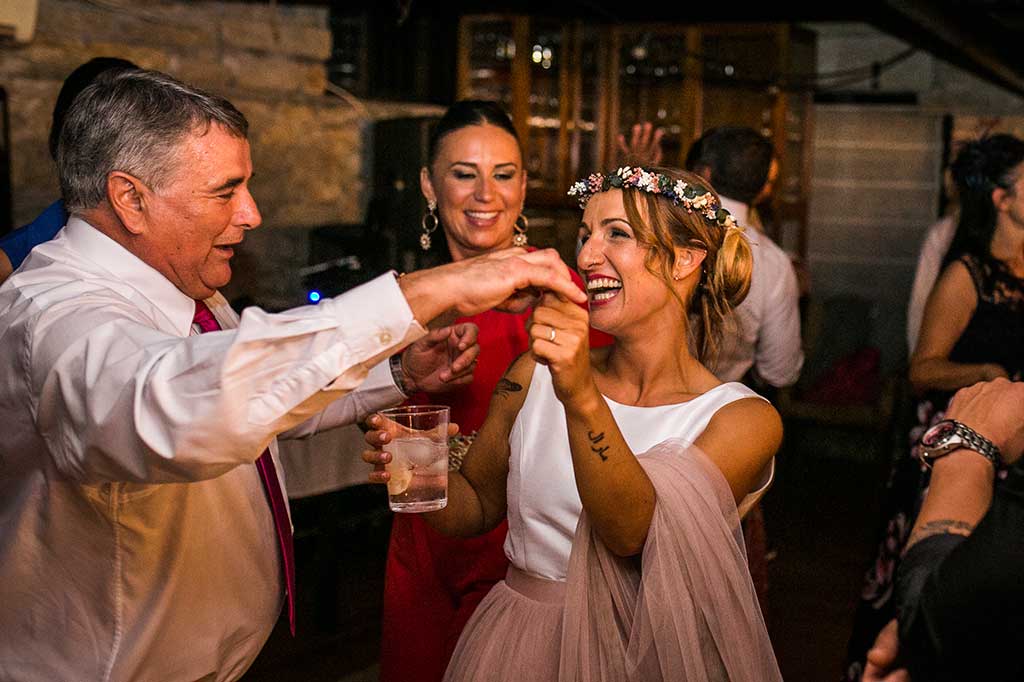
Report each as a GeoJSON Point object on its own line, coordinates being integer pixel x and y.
{"type": "Point", "coordinates": [268, 473]}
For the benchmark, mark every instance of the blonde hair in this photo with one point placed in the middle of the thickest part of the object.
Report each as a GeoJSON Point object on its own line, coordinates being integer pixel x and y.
{"type": "Point", "coordinates": [725, 278]}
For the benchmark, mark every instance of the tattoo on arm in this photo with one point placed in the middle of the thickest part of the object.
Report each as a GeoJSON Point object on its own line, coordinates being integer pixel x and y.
{"type": "Point", "coordinates": [938, 527]}
{"type": "Point", "coordinates": [506, 386]}
{"type": "Point", "coordinates": [595, 440]}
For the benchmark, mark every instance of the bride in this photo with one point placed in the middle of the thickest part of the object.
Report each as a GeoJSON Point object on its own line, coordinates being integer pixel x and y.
{"type": "Point", "coordinates": [623, 471]}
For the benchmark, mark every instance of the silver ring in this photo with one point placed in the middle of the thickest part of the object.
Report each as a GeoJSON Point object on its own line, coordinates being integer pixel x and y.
{"type": "Point", "coordinates": [551, 336]}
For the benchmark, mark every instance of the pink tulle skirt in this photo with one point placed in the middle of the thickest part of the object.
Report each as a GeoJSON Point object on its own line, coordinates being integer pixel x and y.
{"type": "Point", "coordinates": [689, 614]}
{"type": "Point", "coordinates": [515, 633]}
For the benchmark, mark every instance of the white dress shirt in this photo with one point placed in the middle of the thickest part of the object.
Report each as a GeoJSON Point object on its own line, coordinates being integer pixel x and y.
{"type": "Point", "coordinates": [929, 264]}
{"type": "Point", "coordinates": [136, 541]}
{"type": "Point", "coordinates": [766, 332]}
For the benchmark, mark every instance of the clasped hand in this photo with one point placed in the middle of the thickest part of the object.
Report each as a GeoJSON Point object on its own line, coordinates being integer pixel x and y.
{"type": "Point", "coordinates": [560, 339]}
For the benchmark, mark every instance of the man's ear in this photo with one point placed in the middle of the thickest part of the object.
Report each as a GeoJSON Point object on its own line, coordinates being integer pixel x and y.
{"type": "Point", "coordinates": [125, 194]}
{"type": "Point", "coordinates": [687, 261]}
{"type": "Point", "coordinates": [1000, 197]}
{"type": "Point", "coordinates": [704, 171]}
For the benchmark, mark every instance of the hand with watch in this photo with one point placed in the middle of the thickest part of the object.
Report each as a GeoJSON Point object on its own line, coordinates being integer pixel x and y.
{"type": "Point", "coordinates": [987, 418]}
{"type": "Point", "coordinates": [949, 435]}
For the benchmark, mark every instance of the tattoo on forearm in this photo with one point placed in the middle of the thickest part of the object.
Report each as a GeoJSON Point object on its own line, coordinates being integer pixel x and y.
{"type": "Point", "coordinates": [506, 386]}
{"type": "Point", "coordinates": [938, 527]}
{"type": "Point", "coordinates": [595, 440]}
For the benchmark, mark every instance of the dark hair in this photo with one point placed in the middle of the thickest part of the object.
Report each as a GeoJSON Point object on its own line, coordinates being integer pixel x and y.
{"type": "Point", "coordinates": [79, 80]}
{"type": "Point", "coordinates": [980, 167]}
{"type": "Point", "coordinates": [739, 160]}
{"type": "Point", "coordinates": [464, 113]}
{"type": "Point", "coordinates": [134, 122]}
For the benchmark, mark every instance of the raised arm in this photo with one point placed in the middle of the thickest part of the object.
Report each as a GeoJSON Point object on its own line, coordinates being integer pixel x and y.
{"type": "Point", "coordinates": [614, 489]}
{"type": "Point", "coordinates": [201, 405]}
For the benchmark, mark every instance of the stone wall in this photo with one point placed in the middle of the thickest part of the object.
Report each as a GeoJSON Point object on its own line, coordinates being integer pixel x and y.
{"type": "Point", "coordinates": [309, 148]}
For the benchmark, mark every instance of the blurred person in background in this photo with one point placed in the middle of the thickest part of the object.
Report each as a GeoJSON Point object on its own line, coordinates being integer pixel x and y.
{"type": "Point", "coordinates": [16, 245]}
{"type": "Point", "coordinates": [972, 330]}
{"type": "Point", "coordinates": [763, 347]}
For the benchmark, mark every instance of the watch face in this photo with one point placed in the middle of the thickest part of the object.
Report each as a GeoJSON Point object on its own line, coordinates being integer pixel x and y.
{"type": "Point", "coordinates": [938, 433]}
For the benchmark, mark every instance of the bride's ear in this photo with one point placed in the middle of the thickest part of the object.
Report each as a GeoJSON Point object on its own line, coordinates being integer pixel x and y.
{"type": "Point", "coordinates": [687, 261]}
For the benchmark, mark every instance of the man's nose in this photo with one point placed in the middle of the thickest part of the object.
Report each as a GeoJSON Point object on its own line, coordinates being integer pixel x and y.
{"type": "Point", "coordinates": [248, 214]}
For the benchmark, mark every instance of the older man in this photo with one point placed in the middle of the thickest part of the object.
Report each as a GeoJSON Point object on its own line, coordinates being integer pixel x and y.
{"type": "Point", "coordinates": [143, 530]}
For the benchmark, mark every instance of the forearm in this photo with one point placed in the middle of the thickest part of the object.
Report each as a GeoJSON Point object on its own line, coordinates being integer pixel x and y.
{"type": "Point", "coordinates": [378, 391]}
{"type": "Point", "coordinates": [959, 494]}
{"type": "Point", "coordinates": [124, 401]}
{"type": "Point", "coordinates": [614, 489]}
{"type": "Point", "coordinates": [779, 355]}
{"type": "Point", "coordinates": [940, 374]}
{"type": "Point", "coordinates": [428, 297]}
{"type": "Point", "coordinates": [464, 514]}
{"type": "Point", "coordinates": [957, 597]}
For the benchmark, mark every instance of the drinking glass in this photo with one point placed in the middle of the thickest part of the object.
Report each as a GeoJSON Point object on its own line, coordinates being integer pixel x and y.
{"type": "Point", "coordinates": [419, 457]}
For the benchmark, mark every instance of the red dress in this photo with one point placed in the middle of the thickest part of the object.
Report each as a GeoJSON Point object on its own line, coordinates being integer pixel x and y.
{"type": "Point", "coordinates": [433, 583]}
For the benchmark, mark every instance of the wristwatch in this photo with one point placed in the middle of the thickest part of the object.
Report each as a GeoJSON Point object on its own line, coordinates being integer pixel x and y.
{"type": "Point", "coordinates": [949, 435]}
{"type": "Point", "coordinates": [398, 373]}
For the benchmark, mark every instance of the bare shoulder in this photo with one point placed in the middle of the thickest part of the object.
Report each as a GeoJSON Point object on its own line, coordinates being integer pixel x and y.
{"type": "Point", "coordinates": [741, 440]}
{"type": "Point", "coordinates": [955, 280]}
{"type": "Point", "coordinates": [750, 424]}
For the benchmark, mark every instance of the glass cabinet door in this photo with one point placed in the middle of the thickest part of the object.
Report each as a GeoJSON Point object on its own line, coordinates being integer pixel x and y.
{"type": "Point", "coordinates": [548, 105]}
{"type": "Point", "coordinates": [487, 52]}
{"type": "Point", "coordinates": [650, 67]}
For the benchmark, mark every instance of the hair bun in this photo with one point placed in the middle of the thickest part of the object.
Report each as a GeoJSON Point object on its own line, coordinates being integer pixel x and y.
{"type": "Point", "coordinates": [970, 168]}
{"type": "Point", "coordinates": [733, 267]}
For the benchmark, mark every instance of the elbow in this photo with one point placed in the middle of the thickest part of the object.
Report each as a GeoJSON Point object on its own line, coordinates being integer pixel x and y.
{"type": "Point", "coordinates": [625, 541]}
{"type": "Point", "coordinates": [626, 548]}
{"type": "Point", "coordinates": [918, 378]}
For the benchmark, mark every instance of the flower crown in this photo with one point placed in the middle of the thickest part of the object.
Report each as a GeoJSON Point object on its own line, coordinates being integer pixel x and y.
{"type": "Point", "coordinates": [691, 197]}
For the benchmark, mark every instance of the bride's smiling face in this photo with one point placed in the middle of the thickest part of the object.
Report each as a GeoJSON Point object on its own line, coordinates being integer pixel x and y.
{"type": "Point", "coordinates": [613, 263]}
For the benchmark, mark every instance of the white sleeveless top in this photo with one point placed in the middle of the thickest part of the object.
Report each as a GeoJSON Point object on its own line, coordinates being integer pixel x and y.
{"type": "Point", "coordinates": [543, 502]}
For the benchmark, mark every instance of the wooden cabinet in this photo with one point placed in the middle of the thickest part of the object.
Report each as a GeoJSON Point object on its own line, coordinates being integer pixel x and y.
{"type": "Point", "coordinates": [573, 87]}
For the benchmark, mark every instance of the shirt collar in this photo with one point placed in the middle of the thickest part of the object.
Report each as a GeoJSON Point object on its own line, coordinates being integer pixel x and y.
{"type": "Point", "coordinates": [740, 211]}
{"type": "Point", "coordinates": [130, 270]}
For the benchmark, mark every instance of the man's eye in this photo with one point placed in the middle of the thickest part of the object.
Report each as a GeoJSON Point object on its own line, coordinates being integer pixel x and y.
{"type": "Point", "coordinates": [226, 196]}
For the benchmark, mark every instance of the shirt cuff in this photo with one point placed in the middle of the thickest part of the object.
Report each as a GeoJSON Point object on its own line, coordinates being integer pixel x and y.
{"type": "Point", "coordinates": [379, 299]}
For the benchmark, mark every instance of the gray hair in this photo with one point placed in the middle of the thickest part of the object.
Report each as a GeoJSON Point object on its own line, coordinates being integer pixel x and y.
{"type": "Point", "coordinates": [133, 122]}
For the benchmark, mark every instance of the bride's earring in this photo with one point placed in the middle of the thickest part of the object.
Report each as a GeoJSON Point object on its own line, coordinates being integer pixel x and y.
{"type": "Point", "coordinates": [429, 224]}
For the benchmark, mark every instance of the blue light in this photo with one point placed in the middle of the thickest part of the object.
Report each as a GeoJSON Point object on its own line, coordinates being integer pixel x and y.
{"type": "Point", "coordinates": [314, 296]}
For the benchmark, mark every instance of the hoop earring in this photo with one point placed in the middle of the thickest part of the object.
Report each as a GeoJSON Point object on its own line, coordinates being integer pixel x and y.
{"type": "Point", "coordinates": [520, 237]}
{"type": "Point", "coordinates": [429, 224]}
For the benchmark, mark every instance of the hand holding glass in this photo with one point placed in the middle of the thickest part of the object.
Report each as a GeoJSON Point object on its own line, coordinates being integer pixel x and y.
{"type": "Point", "coordinates": [418, 470]}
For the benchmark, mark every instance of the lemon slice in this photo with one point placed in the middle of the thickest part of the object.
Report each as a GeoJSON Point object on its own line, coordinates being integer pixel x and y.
{"type": "Point", "coordinates": [401, 476]}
